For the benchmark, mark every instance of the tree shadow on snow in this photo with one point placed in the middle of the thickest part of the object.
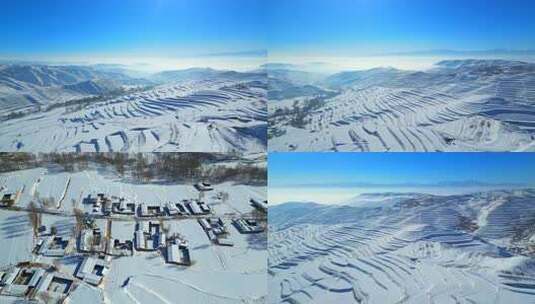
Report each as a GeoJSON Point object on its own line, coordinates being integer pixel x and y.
{"type": "Point", "coordinates": [15, 226]}
{"type": "Point", "coordinates": [72, 260]}
{"type": "Point", "coordinates": [64, 227]}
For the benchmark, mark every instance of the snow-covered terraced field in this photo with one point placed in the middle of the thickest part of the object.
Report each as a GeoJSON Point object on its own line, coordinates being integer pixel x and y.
{"type": "Point", "coordinates": [476, 248]}
{"type": "Point", "coordinates": [203, 115]}
{"type": "Point", "coordinates": [458, 106]}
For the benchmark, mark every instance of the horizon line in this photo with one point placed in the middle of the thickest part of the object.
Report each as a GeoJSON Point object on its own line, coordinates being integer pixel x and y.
{"type": "Point", "coordinates": [404, 185]}
{"type": "Point", "coordinates": [422, 52]}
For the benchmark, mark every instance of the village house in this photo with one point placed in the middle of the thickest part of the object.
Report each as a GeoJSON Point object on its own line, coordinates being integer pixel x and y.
{"type": "Point", "coordinates": [8, 200]}
{"type": "Point", "coordinates": [94, 201]}
{"type": "Point", "coordinates": [172, 209]}
{"type": "Point", "coordinates": [53, 245]}
{"type": "Point", "coordinates": [117, 248]}
{"type": "Point", "coordinates": [146, 210]}
{"type": "Point", "coordinates": [31, 282]}
{"type": "Point", "coordinates": [99, 203]}
{"type": "Point", "coordinates": [89, 200]}
{"type": "Point", "coordinates": [92, 270]}
{"type": "Point", "coordinates": [203, 186]}
{"type": "Point", "coordinates": [20, 281]}
{"type": "Point", "coordinates": [247, 226]}
{"type": "Point", "coordinates": [216, 231]}
{"type": "Point", "coordinates": [224, 241]}
{"type": "Point", "coordinates": [181, 207]}
{"type": "Point", "coordinates": [178, 253]}
{"type": "Point", "coordinates": [91, 240]}
{"type": "Point", "coordinates": [260, 205]}
{"type": "Point", "coordinates": [101, 198]}
{"type": "Point", "coordinates": [55, 285]}
{"type": "Point", "coordinates": [121, 206]}
{"type": "Point", "coordinates": [197, 207]}
{"type": "Point", "coordinates": [149, 238]}
{"type": "Point", "coordinates": [107, 208]}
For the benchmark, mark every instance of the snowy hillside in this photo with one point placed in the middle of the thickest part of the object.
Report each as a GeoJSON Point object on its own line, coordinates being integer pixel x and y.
{"type": "Point", "coordinates": [460, 105]}
{"type": "Point", "coordinates": [25, 87]}
{"type": "Point", "coordinates": [192, 110]}
{"type": "Point", "coordinates": [410, 248]}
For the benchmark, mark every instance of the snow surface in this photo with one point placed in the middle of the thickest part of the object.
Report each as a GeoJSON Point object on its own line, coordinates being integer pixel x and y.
{"type": "Point", "coordinates": [219, 274]}
{"type": "Point", "coordinates": [461, 105]}
{"type": "Point", "coordinates": [416, 248]}
{"type": "Point", "coordinates": [215, 115]}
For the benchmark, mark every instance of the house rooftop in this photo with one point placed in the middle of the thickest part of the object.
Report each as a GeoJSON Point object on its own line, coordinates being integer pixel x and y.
{"type": "Point", "coordinates": [92, 270]}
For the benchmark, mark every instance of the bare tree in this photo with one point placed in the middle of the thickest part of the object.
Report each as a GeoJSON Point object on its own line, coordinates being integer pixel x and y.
{"type": "Point", "coordinates": [261, 217]}
{"type": "Point", "coordinates": [57, 264]}
{"type": "Point", "coordinates": [165, 229]}
{"type": "Point", "coordinates": [35, 217]}
{"type": "Point", "coordinates": [224, 197]}
{"type": "Point", "coordinates": [79, 216]}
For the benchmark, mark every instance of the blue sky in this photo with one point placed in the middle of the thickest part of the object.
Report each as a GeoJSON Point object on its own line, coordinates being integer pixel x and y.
{"type": "Point", "coordinates": [306, 29]}
{"type": "Point", "coordinates": [331, 178]}
{"type": "Point", "coordinates": [130, 28]}
{"type": "Point", "coordinates": [352, 27]}
{"type": "Point", "coordinates": [325, 169]}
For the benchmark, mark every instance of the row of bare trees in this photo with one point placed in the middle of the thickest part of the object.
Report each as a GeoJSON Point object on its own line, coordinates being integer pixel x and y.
{"type": "Point", "coordinates": [35, 217]}
{"type": "Point", "coordinates": [145, 167]}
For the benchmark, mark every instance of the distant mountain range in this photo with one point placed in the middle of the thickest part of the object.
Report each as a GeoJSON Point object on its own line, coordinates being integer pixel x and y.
{"type": "Point", "coordinates": [465, 183]}
{"type": "Point", "coordinates": [508, 206]}
{"type": "Point", "coordinates": [474, 53]}
{"type": "Point", "coordinates": [205, 74]}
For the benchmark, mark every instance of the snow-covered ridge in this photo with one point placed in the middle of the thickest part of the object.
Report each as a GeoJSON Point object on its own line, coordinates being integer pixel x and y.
{"type": "Point", "coordinates": [461, 105]}
{"type": "Point", "coordinates": [24, 87]}
{"type": "Point", "coordinates": [476, 248]}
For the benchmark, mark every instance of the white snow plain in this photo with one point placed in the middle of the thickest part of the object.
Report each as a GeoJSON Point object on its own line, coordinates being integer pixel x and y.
{"type": "Point", "coordinates": [219, 274]}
